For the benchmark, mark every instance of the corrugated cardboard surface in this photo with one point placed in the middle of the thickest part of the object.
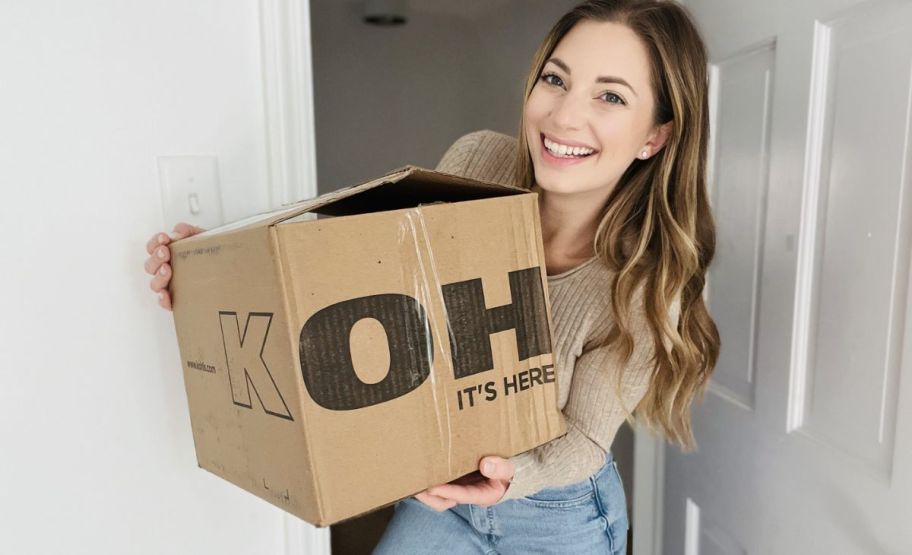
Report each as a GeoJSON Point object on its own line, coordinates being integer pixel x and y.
{"type": "Point", "coordinates": [354, 401]}
{"type": "Point", "coordinates": [239, 369]}
{"type": "Point", "coordinates": [422, 437]}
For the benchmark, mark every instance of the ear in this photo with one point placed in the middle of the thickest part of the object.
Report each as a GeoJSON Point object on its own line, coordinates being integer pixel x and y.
{"type": "Point", "coordinates": [658, 137]}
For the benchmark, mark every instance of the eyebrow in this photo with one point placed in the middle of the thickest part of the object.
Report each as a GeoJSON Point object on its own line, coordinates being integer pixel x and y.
{"type": "Point", "coordinates": [602, 79]}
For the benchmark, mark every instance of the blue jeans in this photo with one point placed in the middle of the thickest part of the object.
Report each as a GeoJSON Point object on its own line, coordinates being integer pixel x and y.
{"type": "Point", "coordinates": [589, 516]}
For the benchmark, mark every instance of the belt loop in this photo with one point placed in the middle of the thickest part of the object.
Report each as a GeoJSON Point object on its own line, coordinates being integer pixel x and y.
{"type": "Point", "coordinates": [601, 471]}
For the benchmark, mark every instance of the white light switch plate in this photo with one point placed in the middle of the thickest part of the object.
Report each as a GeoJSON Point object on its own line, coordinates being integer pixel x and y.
{"type": "Point", "coordinates": [190, 190]}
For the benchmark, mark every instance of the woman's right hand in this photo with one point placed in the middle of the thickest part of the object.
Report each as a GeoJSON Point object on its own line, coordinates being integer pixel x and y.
{"type": "Point", "coordinates": [159, 256]}
{"type": "Point", "coordinates": [435, 502]}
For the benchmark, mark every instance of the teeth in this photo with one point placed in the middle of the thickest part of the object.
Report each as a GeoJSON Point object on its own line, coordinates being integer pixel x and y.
{"type": "Point", "coordinates": [564, 150]}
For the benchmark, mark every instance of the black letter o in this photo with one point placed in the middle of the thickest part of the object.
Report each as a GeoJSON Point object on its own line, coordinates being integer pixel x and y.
{"type": "Point", "coordinates": [326, 363]}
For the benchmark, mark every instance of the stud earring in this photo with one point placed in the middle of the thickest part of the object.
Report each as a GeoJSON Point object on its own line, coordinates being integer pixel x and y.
{"type": "Point", "coordinates": [645, 154]}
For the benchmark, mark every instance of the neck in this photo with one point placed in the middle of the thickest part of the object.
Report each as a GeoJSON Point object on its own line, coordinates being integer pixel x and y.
{"type": "Point", "coordinates": [570, 220]}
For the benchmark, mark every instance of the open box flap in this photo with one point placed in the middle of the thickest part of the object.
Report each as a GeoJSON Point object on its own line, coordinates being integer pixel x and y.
{"type": "Point", "coordinates": [403, 187]}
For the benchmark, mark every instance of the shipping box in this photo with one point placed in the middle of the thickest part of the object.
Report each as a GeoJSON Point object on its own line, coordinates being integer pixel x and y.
{"type": "Point", "coordinates": [336, 364]}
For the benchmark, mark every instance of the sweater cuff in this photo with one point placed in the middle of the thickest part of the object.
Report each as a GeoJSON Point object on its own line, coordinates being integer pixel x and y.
{"type": "Point", "coordinates": [520, 485]}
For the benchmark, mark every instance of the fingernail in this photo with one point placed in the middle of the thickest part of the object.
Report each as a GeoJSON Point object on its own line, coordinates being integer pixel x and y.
{"type": "Point", "coordinates": [161, 239]}
{"type": "Point", "coordinates": [161, 296]}
{"type": "Point", "coordinates": [488, 466]}
{"type": "Point", "coordinates": [162, 271]}
{"type": "Point", "coordinates": [161, 252]}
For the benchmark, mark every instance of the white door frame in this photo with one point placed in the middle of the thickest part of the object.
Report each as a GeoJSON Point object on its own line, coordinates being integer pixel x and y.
{"type": "Point", "coordinates": [647, 492]}
{"type": "Point", "coordinates": [287, 74]}
{"type": "Point", "coordinates": [288, 100]}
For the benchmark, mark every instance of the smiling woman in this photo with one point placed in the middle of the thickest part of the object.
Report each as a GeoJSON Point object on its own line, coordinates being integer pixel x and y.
{"type": "Point", "coordinates": [576, 115]}
{"type": "Point", "coordinates": [613, 138]}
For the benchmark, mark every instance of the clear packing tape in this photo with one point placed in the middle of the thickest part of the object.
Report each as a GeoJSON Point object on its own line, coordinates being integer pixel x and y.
{"type": "Point", "coordinates": [525, 312]}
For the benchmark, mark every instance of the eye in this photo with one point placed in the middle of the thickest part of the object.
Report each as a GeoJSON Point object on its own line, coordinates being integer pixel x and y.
{"type": "Point", "coordinates": [609, 95]}
{"type": "Point", "coordinates": [558, 82]}
{"type": "Point", "coordinates": [553, 80]}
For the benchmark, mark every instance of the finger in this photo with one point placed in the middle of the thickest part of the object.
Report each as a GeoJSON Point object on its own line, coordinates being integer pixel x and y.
{"type": "Point", "coordinates": [183, 229]}
{"type": "Point", "coordinates": [437, 503]}
{"type": "Point", "coordinates": [440, 503]}
{"type": "Point", "coordinates": [497, 468]}
{"type": "Point", "coordinates": [480, 492]}
{"type": "Point", "coordinates": [159, 255]}
{"type": "Point", "coordinates": [472, 478]}
{"type": "Point", "coordinates": [156, 240]}
{"type": "Point", "coordinates": [164, 299]}
{"type": "Point", "coordinates": [161, 279]}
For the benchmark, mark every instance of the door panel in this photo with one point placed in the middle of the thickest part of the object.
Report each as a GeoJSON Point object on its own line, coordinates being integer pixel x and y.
{"type": "Point", "coordinates": [804, 434]}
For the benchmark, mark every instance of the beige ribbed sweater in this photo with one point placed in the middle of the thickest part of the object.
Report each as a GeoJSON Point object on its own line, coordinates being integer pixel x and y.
{"type": "Point", "coordinates": [581, 313]}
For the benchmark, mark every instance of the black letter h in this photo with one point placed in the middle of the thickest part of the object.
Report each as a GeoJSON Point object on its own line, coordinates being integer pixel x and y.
{"type": "Point", "coordinates": [471, 322]}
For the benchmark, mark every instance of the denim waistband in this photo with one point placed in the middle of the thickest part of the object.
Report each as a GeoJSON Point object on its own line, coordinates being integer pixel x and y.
{"type": "Point", "coordinates": [581, 487]}
{"type": "Point", "coordinates": [609, 460]}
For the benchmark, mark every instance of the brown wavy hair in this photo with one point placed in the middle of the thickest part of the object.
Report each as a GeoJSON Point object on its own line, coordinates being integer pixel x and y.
{"type": "Point", "coordinates": [656, 226]}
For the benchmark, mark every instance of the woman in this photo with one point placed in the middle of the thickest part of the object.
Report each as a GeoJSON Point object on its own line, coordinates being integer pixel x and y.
{"type": "Point", "coordinates": [613, 138]}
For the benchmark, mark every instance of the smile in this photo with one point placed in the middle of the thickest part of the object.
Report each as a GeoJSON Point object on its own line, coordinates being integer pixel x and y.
{"type": "Point", "coordinates": [563, 150]}
{"type": "Point", "coordinates": [562, 154]}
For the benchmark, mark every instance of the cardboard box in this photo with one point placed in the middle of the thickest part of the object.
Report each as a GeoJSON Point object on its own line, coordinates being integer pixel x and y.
{"type": "Point", "coordinates": [337, 364]}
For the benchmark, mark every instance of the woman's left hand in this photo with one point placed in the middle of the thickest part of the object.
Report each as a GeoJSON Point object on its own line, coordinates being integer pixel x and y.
{"type": "Point", "coordinates": [484, 488]}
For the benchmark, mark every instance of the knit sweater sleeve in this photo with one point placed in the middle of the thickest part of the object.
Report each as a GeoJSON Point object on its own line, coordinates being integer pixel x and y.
{"type": "Point", "coordinates": [485, 155]}
{"type": "Point", "coordinates": [593, 414]}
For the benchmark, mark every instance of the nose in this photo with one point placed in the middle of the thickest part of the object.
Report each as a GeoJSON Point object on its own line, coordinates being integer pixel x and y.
{"type": "Point", "coordinates": [570, 112]}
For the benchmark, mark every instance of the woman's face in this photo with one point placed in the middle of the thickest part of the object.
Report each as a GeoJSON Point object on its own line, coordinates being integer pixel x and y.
{"type": "Point", "coordinates": [594, 92]}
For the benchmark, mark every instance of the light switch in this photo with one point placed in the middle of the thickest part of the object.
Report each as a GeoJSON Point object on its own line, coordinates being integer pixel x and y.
{"type": "Point", "coordinates": [190, 190]}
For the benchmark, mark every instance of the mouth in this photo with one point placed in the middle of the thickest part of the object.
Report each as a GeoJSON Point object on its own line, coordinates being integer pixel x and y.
{"type": "Point", "coordinates": [563, 154]}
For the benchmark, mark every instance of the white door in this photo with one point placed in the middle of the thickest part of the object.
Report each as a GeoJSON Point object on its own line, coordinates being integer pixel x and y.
{"type": "Point", "coordinates": [805, 437]}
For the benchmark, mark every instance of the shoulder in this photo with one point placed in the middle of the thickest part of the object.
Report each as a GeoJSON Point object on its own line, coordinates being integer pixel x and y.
{"type": "Point", "coordinates": [484, 155]}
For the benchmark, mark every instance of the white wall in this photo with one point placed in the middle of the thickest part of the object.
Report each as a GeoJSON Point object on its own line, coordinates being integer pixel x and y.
{"type": "Point", "coordinates": [97, 453]}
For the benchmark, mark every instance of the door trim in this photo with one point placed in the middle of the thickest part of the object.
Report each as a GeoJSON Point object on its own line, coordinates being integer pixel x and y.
{"type": "Point", "coordinates": [301, 538]}
{"type": "Point", "coordinates": [287, 74]}
{"type": "Point", "coordinates": [291, 161]}
{"type": "Point", "coordinates": [648, 491]}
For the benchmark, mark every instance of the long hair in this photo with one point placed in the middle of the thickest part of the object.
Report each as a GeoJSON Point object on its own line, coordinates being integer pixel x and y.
{"type": "Point", "coordinates": [656, 227]}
